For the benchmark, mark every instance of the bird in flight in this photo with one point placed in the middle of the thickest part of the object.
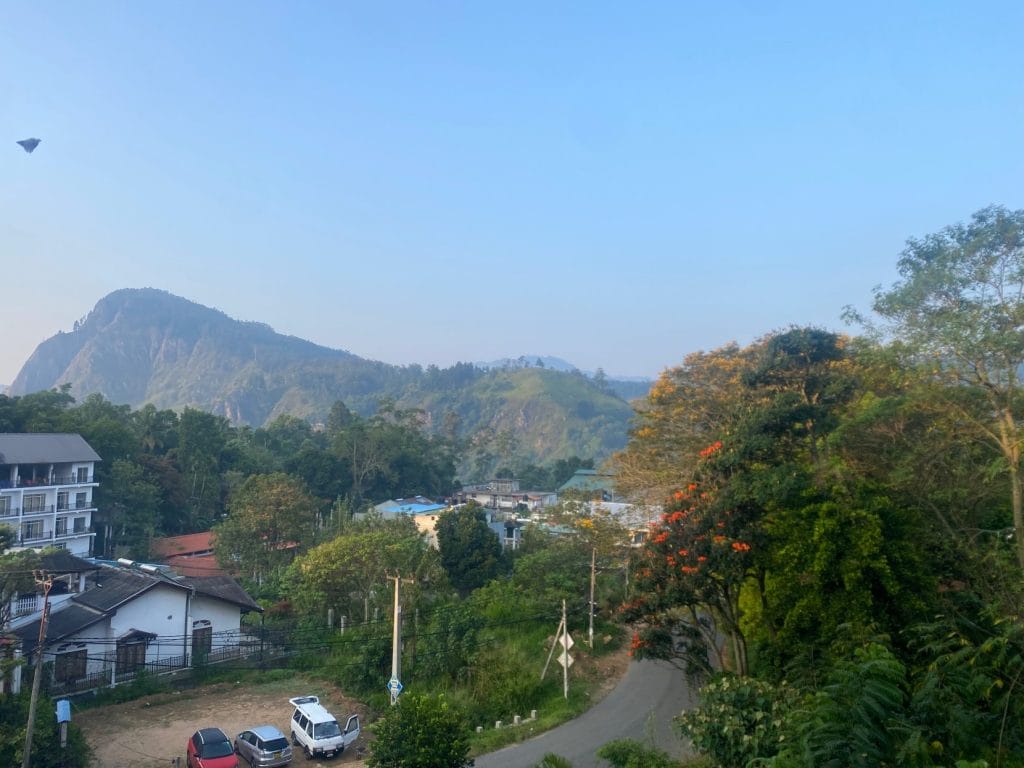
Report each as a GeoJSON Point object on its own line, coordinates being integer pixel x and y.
{"type": "Point", "coordinates": [29, 144]}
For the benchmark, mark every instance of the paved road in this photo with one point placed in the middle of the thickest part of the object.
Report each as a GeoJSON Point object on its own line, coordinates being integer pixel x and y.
{"type": "Point", "coordinates": [640, 707]}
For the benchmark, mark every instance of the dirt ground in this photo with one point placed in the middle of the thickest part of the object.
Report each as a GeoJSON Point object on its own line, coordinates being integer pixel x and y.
{"type": "Point", "coordinates": [153, 731]}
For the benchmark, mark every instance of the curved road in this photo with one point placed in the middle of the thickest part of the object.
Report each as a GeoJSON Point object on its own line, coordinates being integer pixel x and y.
{"type": "Point", "coordinates": [641, 707]}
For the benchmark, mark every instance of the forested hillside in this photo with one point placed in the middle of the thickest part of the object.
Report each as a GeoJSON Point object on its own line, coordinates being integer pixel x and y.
{"type": "Point", "coordinates": [144, 346]}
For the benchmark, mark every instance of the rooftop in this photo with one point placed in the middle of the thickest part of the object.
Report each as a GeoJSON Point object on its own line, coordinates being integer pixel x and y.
{"type": "Point", "coordinates": [44, 448]}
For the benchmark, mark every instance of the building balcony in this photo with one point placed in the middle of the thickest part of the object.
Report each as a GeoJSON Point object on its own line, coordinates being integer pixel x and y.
{"type": "Point", "coordinates": [10, 512]}
{"type": "Point", "coordinates": [71, 534]}
{"type": "Point", "coordinates": [34, 539]}
{"type": "Point", "coordinates": [74, 506]}
{"type": "Point", "coordinates": [46, 509]}
{"type": "Point", "coordinates": [42, 482]}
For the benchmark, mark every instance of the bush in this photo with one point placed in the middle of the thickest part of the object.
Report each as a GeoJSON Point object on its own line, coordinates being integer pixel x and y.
{"type": "Point", "coordinates": [626, 753]}
{"type": "Point", "coordinates": [421, 732]}
{"type": "Point", "coordinates": [739, 719]}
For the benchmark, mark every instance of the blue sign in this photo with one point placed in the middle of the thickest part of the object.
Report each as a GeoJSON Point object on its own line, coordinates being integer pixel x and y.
{"type": "Point", "coordinates": [394, 686]}
{"type": "Point", "coordinates": [63, 711]}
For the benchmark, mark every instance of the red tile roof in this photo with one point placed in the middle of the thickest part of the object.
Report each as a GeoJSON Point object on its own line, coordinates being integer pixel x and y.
{"type": "Point", "coordinates": [189, 544]}
{"type": "Point", "coordinates": [196, 565]}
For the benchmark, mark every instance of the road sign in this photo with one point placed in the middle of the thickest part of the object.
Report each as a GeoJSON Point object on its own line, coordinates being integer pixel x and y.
{"type": "Point", "coordinates": [566, 659]}
{"type": "Point", "coordinates": [394, 687]}
{"type": "Point", "coordinates": [566, 641]}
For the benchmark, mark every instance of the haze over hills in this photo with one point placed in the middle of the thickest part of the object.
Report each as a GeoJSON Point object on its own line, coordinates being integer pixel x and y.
{"type": "Point", "coordinates": [142, 346]}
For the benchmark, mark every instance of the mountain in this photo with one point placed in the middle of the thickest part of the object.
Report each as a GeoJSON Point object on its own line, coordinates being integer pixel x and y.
{"type": "Point", "coordinates": [626, 387]}
{"type": "Point", "coordinates": [142, 346]}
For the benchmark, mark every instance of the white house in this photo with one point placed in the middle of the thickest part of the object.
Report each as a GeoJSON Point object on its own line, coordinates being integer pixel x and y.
{"type": "Point", "coordinates": [46, 490]}
{"type": "Point", "coordinates": [134, 617]}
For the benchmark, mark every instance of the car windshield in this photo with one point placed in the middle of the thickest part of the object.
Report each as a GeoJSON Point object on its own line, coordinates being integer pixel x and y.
{"type": "Point", "coordinates": [326, 730]}
{"type": "Point", "coordinates": [273, 745]}
{"type": "Point", "coordinates": [216, 749]}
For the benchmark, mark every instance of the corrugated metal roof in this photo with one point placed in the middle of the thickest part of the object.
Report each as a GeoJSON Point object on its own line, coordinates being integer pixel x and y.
{"type": "Point", "coordinates": [67, 621]}
{"type": "Point", "coordinates": [44, 448]}
{"type": "Point", "coordinates": [222, 588]}
{"type": "Point", "coordinates": [110, 587]}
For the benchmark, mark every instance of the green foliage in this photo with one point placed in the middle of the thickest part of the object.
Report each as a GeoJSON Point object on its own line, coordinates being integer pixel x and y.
{"type": "Point", "coordinates": [626, 753]}
{"type": "Point", "coordinates": [451, 641]}
{"type": "Point", "coordinates": [739, 719]}
{"type": "Point", "coordinates": [421, 732]}
{"type": "Point", "coordinates": [470, 550]}
{"type": "Point", "coordinates": [269, 518]}
{"type": "Point", "coordinates": [46, 751]}
{"type": "Point", "coordinates": [349, 573]}
{"type": "Point", "coordinates": [551, 760]}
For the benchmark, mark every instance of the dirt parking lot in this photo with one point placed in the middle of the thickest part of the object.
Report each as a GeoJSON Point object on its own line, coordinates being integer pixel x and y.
{"type": "Point", "coordinates": [153, 731]}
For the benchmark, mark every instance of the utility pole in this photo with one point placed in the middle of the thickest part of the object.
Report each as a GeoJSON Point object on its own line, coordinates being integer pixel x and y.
{"type": "Point", "coordinates": [565, 654]}
{"type": "Point", "coordinates": [593, 579]}
{"type": "Point", "coordinates": [44, 580]}
{"type": "Point", "coordinates": [395, 685]}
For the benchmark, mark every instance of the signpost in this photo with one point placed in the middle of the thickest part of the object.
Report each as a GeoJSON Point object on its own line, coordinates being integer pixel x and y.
{"type": "Point", "coordinates": [394, 688]}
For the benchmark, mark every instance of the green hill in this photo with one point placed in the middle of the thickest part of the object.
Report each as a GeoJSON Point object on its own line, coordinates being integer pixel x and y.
{"type": "Point", "coordinates": [142, 346]}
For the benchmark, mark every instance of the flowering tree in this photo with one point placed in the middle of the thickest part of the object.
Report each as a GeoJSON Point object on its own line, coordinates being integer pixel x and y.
{"type": "Point", "coordinates": [689, 580]}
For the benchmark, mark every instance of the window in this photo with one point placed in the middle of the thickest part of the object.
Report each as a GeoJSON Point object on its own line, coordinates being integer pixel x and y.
{"type": "Point", "coordinates": [81, 500]}
{"type": "Point", "coordinates": [62, 500]}
{"type": "Point", "coordinates": [70, 662]}
{"type": "Point", "coordinates": [62, 526]}
{"type": "Point", "coordinates": [131, 656]}
{"type": "Point", "coordinates": [202, 637]}
{"type": "Point", "coordinates": [83, 475]}
{"type": "Point", "coordinates": [5, 506]}
{"type": "Point", "coordinates": [32, 531]}
{"type": "Point", "coordinates": [80, 525]}
{"type": "Point", "coordinates": [34, 502]}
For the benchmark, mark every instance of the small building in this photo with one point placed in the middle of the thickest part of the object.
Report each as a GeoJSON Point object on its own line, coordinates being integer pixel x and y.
{"type": "Point", "coordinates": [422, 510]}
{"type": "Point", "coordinates": [589, 485]}
{"type": "Point", "coordinates": [504, 495]}
{"type": "Point", "coordinates": [189, 555]}
{"type": "Point", "coordinates": [46, 490]}
{"type": "Point", "coordinates": [133, 617]}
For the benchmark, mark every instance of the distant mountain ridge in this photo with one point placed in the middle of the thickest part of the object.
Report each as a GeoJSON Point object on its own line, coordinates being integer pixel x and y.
{"type": "Point", "coordinates": [145, 345]}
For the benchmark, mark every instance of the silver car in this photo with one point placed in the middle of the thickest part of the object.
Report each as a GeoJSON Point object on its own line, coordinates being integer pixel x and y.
{"type": "Point", "coordinates": [264, 747]}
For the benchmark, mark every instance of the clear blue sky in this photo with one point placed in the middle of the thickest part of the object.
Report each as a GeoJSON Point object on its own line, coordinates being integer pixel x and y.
{"type": "Point", "coordinates": [618, 184]}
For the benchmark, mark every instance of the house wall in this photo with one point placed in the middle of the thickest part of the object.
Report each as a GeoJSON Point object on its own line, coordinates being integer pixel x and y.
{"type": "Point", "coordinates": [99, 646]}
{"type": "Point", "coordinates": [225, 619]}
{"type": "Point", "coordinates": [162, 611]}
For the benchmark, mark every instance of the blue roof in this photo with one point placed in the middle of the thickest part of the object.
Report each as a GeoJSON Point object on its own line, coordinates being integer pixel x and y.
{"type": "Point", "coordinates": [420, 506]}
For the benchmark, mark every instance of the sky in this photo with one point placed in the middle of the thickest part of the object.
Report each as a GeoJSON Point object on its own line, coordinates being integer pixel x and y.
{"type": "Point", "coordinates": [616, 184]}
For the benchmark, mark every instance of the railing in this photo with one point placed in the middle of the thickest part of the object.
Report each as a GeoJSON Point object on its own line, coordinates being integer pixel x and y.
{"type": "Point", "coordinates": [39, 482]}
{"type": "Point", "coordinates": [27, 538]}
{"type": "Point", "coordinates": [71, 506]}
{"type": "Point", "coordinates": [81, 684]}
{"type": "Point", "coordinates": [23, 606]}
{"type": "Point", "coordinates": [45, 509]}
{"type": "Point", "coordinates": [10, 512]}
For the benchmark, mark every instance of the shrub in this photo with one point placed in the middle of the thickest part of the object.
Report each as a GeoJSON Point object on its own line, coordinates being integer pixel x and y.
{"type": "Point", "coordinates": [739, 719]}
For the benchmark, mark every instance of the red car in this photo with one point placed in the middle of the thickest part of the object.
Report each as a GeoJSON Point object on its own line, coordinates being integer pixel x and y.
{"type": "Point", "coordinates": [210, 748]}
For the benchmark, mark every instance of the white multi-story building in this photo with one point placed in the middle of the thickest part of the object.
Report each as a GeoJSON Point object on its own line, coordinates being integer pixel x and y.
{"type": "Point", "coordinates": [46, 490]}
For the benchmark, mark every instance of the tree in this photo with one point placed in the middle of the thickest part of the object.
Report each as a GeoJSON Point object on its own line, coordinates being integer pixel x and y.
{"type": "Point", "coordinates": [421, 732]}
{"type": "Point", "coordinates": [269, 518]}
{"type": "Point", "coordinates": [688, 409]}
{"type": "Point", "coordinates": [131, 506]}
{"type": "Point", "coordinates": [349, 572]}
{"type": "Point", "coordinates": [959, 307]}
{"type": "Point", "coordinates": [470, 550]}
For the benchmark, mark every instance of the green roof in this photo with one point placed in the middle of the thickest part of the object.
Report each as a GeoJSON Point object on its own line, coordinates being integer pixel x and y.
{"type": "Point", "coordinates": [587, 480]}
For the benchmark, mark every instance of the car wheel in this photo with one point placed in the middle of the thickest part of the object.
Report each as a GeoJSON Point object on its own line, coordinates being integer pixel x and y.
{"type": "Point", "coordinates": [295, 742]}
{"type": "Point", "coordinates": [309, 754]}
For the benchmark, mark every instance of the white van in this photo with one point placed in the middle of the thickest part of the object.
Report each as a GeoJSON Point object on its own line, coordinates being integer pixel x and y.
{"type": "Point", "coordinates": [317, 731]}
